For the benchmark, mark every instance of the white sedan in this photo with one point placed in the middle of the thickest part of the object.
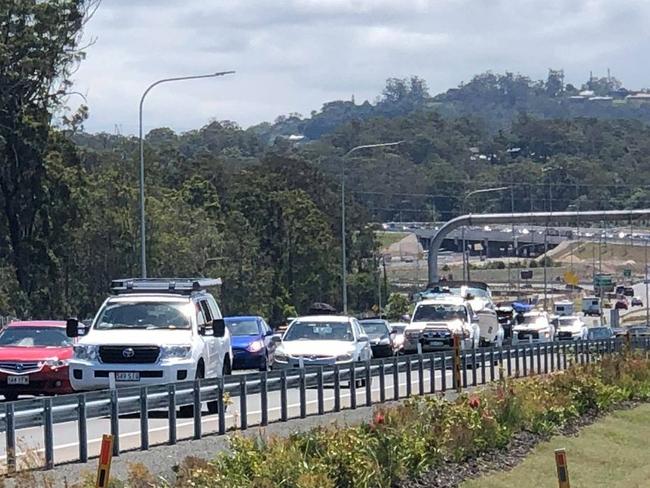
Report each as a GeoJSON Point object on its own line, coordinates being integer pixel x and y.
{"type": "Point", "coordinates": [322, 340]}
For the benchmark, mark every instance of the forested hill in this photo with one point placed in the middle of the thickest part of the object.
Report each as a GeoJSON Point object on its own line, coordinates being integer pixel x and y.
{"type": "Point", "coordinates": [496, 99]}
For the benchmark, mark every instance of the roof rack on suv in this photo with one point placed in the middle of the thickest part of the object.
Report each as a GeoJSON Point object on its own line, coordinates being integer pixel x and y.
{"type": "Point", "coordinates": [182, 286]}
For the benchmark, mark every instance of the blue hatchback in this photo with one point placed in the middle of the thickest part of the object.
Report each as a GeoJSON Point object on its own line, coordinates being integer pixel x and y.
{"type": "Point", "coordinates": [252, 346]}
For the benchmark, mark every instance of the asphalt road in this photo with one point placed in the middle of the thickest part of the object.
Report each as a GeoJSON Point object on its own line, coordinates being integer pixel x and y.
{"type": "Point", "coordinates": [66, 443]}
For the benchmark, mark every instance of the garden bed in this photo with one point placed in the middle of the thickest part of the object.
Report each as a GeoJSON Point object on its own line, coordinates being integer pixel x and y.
{"type": "Point", "coordinates": [426, 441]}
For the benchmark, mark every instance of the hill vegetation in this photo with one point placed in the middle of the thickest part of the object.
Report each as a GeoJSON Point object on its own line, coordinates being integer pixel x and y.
{"type": "Point", "coordinates": [262, 210]}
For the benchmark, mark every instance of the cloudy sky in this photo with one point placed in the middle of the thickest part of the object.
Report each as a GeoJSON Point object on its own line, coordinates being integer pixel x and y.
{"type": "Point", "coordinates": [293, 55]}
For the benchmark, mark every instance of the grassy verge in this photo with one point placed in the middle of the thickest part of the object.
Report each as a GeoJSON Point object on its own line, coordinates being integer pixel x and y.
{"type": "Point", "coordinates": [611, 453]}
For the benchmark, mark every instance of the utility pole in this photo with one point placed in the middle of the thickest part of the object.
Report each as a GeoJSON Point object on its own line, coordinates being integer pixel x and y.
{"type": "Point", "coordinates": [645, 281]}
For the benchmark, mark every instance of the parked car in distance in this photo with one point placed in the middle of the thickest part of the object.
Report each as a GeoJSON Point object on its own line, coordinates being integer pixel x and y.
{"type": "Point", "coordinates": [381, 337]}
{"type": "Point", "coordinates": [599, 333]}
{"type": "Point", "coordinates": [591, 306]}
{"type": "Point", "coordinates": [637, 302]}
{"type": "Point", "coordinates": [570, 328]}
{"type": "Point", "coordinates": [320, 340]}
{"type": "Point", "coordinates": [628, 291]}
{"type": "Point", "coordinates": [534, 326]}
{"type": "Point", "coordinates": [34, 359]}
{"type": "Point", "coordinates": [252, 344]}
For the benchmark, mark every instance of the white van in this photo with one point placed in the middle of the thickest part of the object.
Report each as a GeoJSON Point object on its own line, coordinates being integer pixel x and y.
{"type": "Point", "coordinates": [591, 306]}
{"type": "Point", "coordinates": [564, 308]}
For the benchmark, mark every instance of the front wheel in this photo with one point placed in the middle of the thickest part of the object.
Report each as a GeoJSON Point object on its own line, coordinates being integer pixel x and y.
{"type": "Point", "coordinates": [226, 370]}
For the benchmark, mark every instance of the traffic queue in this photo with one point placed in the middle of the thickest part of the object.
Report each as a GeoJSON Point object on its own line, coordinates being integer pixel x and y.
{"type": "Point", "coordinates": [152, 331]}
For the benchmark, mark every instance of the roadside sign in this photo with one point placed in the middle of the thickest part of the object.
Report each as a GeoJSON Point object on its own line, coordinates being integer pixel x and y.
{"type": "Point", "coordinates": [627, 273]}
{"type": "Point", "coordinates": [105, 457]}
{"type": "Point", "coordinates": [570, 278]}
{"type": "Point", "coordinates": [562, 469]}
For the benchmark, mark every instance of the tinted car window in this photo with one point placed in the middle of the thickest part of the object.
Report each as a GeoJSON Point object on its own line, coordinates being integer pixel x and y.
{"type": "Point", "coordinates": [34, 337]}
{"type": "Point", "coordinates": [144, 315]}
{"type": "Point", "coordinates": [440, 312]}
{"type": "Point", "coordinates": [243, 327]}
{"type": "Point", "coordinates": [375, 328]}
{"type": "Point", "coordinates": [323, 331]}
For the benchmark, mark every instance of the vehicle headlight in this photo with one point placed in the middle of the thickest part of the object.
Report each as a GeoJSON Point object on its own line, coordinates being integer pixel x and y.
{"type": "Point", "coordinates": [86, 352]}
{"type": "Point", "coordinates": [280, 356]}
{"type": "Point", "coordinates": [180, 351]}
{"type": "Point", "coordinates": [255, 346]}
{"type": "Point", "coordinates": [344, 357]}
{"type": "Point", "coordinates": [55, 363]}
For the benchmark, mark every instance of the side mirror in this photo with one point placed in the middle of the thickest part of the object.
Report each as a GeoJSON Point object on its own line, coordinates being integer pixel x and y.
{"type": "Point", "coordinates": [276, 338]}
{"type": "Point", "coordinates": [72, 328]}
{"type": "Point", "coordinates": [218, 327]}
{"type": "Point", "coordinates": [364, 339]}
{"type": "Point", "coordinates": [475, 319]}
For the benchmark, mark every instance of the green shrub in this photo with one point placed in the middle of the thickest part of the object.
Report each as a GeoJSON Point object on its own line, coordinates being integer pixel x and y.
{"type": "Point", "coordinates": [419, 434]}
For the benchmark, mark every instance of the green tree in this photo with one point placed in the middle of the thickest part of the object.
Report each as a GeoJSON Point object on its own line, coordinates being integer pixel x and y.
{"type": "Point", "coordinates": [398, 305]}
{"type": "Point", "coordinates": [40, 41]}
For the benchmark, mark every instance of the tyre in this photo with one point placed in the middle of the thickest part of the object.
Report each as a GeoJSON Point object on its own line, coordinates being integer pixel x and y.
{"type": "Point", "coordinates": [213, 406]}
{"type": "Point", "coordinates": [188, 410]}
{"type": "Point", "coordinates": [264, 366]}
{"type": "Point", "coordinates": [11, 397]}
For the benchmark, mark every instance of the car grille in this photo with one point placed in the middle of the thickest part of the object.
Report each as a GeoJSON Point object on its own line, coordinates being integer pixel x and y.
{"type": "Point", "coordinates": [20, 367]}
{"type": "Point", "coordinates": [129, 354]}
{"type": "Point", "coordinates": [525, 334]}
{"type": "Point", "coordinates": [565, 335]}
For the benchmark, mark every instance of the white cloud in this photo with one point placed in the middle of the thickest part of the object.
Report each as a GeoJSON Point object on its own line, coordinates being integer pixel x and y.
{"type": "Point", "coordinates": [293, 55]}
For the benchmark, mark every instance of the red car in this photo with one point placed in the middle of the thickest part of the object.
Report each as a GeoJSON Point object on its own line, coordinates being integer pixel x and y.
{"type": "Point", "coordinates": [34, 359]}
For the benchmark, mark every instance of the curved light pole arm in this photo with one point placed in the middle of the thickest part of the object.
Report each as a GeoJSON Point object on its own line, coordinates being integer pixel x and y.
{"type": "Point", "coordinates": [344, 273]}
{"type": "Point", "coordinates": [143, 240]}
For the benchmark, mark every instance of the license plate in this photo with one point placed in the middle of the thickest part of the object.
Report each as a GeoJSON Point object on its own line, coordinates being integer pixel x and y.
{"type": "Point", "coordinates": [127, 376]}
{"type": "Point", "coordinates": [436, 343]}
{"type": "Point", "coordinates": [18, 380]}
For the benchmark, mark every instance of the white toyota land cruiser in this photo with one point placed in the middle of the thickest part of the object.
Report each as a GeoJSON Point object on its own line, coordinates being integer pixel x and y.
{"type": "Point", "coordinates": [151, 331]}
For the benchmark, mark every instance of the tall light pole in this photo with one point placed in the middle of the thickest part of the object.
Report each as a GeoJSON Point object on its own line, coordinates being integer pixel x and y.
{"type": "Point", "coordinates": [467, 195]}
{"type": "Point", "coordinates": [143, 236]}
{"type": "Point", "coordinates": [344, 277]}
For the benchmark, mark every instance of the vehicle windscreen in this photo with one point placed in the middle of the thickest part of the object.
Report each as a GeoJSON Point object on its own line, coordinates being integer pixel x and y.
{"type": "Point", "coordinates": [439, 312]}
{"type": "Point", "coordinates": [319, 331]}
{"type": "Point", "coordinates": [398, 328]}
{"type": "Point", "coordinates": [532, 319]}
{"type": "Point", "coordinates": [34, 337]}
{"type": "Point", "coordinates": [243, 327]}
{"type": "Point", "coordinates": [145, 315]}
{"type": "Point", "coordinates": [567, 322]}
{"type": "Point", "coordinates": [375, 328]}
{"type": "Point", "coordinates": [599, 333]}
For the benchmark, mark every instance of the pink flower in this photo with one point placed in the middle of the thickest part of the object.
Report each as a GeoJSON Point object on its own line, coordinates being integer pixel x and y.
{"type": "Point", "coordinates": [474, 402]}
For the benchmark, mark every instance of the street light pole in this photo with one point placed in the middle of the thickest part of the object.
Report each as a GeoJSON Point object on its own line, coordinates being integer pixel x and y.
{"type": "Point", "coordinates": [143, 237]}
{"type": "Point", "coordinates": [462, 230]}
{"type": "Point", "coordinates": [344, 278]}
{"type": "Point", "coordinates": [645, 281]}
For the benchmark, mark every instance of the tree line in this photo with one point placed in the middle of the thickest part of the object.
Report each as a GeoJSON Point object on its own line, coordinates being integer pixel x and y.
{"type": "Point", "coordinates": [251, 205]}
